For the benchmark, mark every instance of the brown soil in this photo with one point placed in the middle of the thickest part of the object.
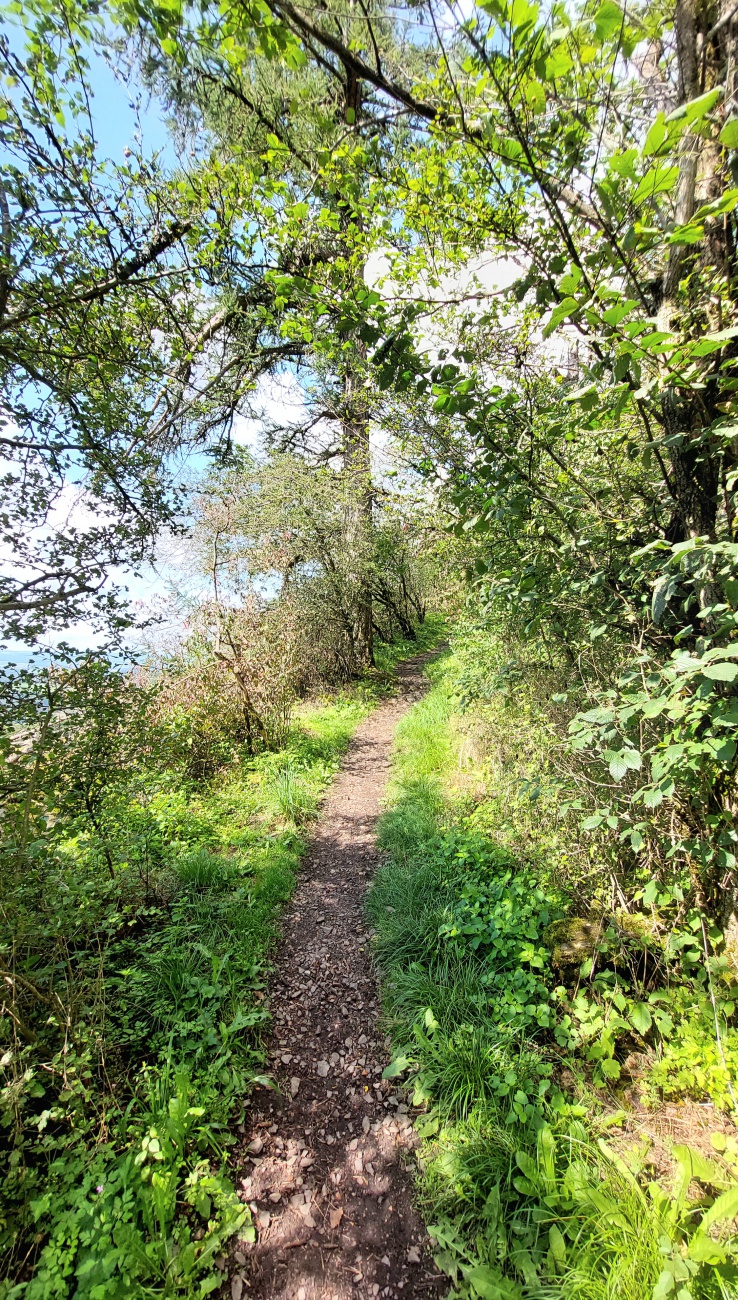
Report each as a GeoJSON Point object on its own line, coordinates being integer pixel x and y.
{"type": "Point", "coordinates": [326, 1163]}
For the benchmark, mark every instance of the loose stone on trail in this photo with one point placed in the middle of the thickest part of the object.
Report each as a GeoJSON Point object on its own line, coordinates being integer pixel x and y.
{"type": "Point", "coordinates": [333, 1211]}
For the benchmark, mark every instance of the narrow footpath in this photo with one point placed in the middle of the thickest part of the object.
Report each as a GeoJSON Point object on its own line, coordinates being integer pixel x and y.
{"type": "Point", "coordinates": [324, 1164]}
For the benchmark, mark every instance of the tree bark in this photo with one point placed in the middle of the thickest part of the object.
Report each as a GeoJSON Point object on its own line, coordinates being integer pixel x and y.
{"type": "Point", "coordinates": [357, 457]}
{"type": "Point", "coordinates": [706, 59]}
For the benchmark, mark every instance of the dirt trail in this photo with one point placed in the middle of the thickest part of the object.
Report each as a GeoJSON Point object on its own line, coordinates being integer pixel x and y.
{"type": "Point", "coordinates": [324, 1165]}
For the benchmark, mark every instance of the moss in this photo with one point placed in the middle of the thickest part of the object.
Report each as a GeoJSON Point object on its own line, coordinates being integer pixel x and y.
{"type": "Point", "coordinates": [572, 940]}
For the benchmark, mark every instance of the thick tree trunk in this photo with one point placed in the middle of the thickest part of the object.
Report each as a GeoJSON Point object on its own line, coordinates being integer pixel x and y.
{"type": "Point", "coordinates": [705, 41]}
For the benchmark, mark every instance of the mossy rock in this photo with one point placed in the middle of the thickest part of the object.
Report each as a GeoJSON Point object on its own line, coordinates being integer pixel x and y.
{"type": "Point", "coordinates": [638, 926]}
{"type": "Point", "coordinates": [572, 940]}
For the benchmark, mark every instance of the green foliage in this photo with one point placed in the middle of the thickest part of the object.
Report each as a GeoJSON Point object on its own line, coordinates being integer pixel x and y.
{"type": "Point", "coordinates": [701, 1058]}
{"type": "Point", "coordinates": [554, 1213]}
{"type": "Point", "coordinates": [116, 1226]}
{"type": "Point", "coordinates": [521, 1194]}
{"type": "Point", "coordinates": [293, 800]}
{"type": "Point", "coordinates": [95, 364]}
{"type": "Point", "coordinates": [140, 910]}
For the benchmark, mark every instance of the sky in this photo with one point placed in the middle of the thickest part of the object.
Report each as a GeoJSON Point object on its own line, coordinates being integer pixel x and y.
{"type": "Point", "coordinates": [119, 114]}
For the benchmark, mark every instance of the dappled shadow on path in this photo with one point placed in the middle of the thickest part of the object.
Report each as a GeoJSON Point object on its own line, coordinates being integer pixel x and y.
{"type": "Point", "coordinates": [326, 1165]}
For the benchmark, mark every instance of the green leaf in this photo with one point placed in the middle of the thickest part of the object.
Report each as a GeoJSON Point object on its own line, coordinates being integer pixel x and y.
{"type": "Point", "coordinates": [557, 1246]}
{"type": "Point", "coordinates": [559, 314]}
{"type": "Point", "coordinates": [622, 761]}
{"type": "Point", "coordinates": [608, 19]}
{"type": "Point", "coordinates": [658, 180]}
{"type": "Point", "coordinates": [723, 672]}
{"type": "Point", "coordinates": [729, 134]}
{"type": "Point", "coordinates": [665, 1286]}
{"type": "Point", "coordinates": [697, 108]}
{"type": "Point", "coordinates": [706, 1251]}
{"type": "Point", "coordinates": [640, 1018]}
{"type": "Point", "coordinates": [610, 1069]}
{"type": "Point", "coordinates": [523, 15]}
{"type": "Point", "coordinates": [725, 1207]}
{"type": "Point", "coordinates": [614, 315]}
{"type": "Point", "coordinates": [658, 135]}
{"type": "Point", "coordinates": [490, 1284]}
{"type": "Point", "coordinates": [653, 797]}
{"type": "Point", "coordinates": [396, 1067]}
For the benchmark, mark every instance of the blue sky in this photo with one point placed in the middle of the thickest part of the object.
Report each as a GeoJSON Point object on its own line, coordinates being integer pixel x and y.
{"type": "Point", "coordinates": [119, 113]}
{"type": "Point", "coordinates": [116, 117]}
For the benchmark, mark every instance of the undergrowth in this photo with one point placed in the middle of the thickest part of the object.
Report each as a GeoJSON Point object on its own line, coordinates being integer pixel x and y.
{"type": "Point", "coordinates": [136, 1017]}
{"type": "Point", "coordinates": [512, 1014]}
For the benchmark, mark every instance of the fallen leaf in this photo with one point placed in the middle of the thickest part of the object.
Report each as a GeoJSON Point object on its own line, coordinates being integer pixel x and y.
{"type": "Point", "coordinates": [336, 1216]}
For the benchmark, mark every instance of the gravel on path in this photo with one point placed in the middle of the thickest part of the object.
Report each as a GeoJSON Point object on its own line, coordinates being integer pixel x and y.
{"type": "Point", "coordinates": [326, 1163]}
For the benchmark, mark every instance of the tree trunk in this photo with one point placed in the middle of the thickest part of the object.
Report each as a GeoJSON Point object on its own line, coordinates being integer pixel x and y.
{"type": "Point", "coordinates": [695, 463]}
{"type": "Point", "coordinates": [359, 510]}
{"type": "Point", "coordinates": [357, 456]}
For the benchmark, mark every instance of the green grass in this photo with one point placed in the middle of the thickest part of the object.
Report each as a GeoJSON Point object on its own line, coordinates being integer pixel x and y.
{"type": "Point", "coordinates": [521, 1195]}
{"type": "Point", "coordinates": [118, 1114]}
{"type": "Point", "coordinates": [164, 969]}
{"type": "Point", "coordinates": [388, 654]}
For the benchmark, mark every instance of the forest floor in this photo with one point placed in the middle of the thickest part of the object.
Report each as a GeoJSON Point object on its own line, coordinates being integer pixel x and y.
{"type": "Point", "coordinates": [326, 1162]}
